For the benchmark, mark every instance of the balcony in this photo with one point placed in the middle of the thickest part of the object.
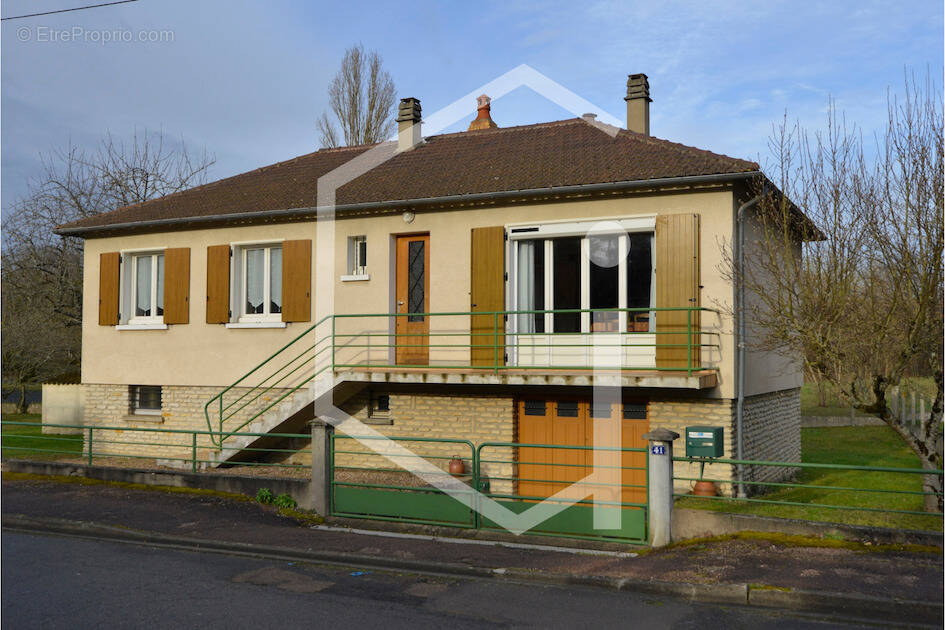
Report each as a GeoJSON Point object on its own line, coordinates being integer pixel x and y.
{"type": "Point", "coordinates": [667, 348]}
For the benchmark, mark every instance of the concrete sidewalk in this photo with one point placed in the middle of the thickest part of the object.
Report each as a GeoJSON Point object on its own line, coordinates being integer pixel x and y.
{"type": "Point", "coordinates": [879, 583]}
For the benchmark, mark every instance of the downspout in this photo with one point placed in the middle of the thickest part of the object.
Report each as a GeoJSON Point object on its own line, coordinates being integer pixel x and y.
{"type": "Point", "coordinates": [740, 342]}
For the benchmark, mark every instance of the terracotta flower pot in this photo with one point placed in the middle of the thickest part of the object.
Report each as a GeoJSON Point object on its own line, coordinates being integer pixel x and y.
{"type": "Point", "coordinates": [457, 467]}
{"type": "Point", "coordinates": [705, 489]}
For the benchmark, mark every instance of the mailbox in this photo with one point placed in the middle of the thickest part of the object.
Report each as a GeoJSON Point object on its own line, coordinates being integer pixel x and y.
{"type": "Point", "coordinates": [704, 441]}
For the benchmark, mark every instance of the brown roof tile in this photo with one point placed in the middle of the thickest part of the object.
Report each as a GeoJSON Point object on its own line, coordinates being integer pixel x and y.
{"type": "Point", "coordinates": [563, 153]}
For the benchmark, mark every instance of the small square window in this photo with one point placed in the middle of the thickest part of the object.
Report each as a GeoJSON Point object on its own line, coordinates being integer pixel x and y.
{"type": "Point", "coordinates": [634, 411]}
{"type": "Point", "coordinates": [145, 400]}
{"type": "Point", "coordinates": [535, 408]}
{"type": "Point", "coordinates": [357, 255]}
{"type": "Point", "coordinates": [379, 408]}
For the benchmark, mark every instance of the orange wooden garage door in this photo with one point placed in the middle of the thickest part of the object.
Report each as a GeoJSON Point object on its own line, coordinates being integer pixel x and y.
{"type": "Point", "coordinates": [571, 422]}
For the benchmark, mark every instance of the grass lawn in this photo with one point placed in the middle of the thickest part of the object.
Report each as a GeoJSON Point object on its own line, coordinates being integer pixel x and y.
{"type": "Point", "coordinates": [29, 441]}
{"type": "Point", "coordinates": [866, 446]}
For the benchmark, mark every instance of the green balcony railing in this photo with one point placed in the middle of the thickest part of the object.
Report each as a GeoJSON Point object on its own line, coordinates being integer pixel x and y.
{"type": "Point", "coordinates": [484, 341]}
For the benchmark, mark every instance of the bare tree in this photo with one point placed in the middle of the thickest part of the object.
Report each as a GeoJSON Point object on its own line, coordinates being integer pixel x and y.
{"type": "Point", "coordinates": [42, 272]}
{"type": "Point", "coordinates": [361, 97]}
{"type": "Point", "coordinates": [863, 304]}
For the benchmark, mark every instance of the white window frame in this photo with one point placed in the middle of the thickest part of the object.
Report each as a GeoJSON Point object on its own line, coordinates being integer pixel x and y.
{"type": "Point", "coordinates": [584, 229]}
{"type": "Point", "coordinates": [138, 411]}
{"type": "Point", "coordinates": [128, 290]}
{"type": "Point", "coordinates": [238, 286]}
{"type": "Point", "coordinates": [356, 271]}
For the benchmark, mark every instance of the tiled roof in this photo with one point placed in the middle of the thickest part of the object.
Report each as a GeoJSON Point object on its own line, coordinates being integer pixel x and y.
{"type": "Point", "coordinates": [564, 153]}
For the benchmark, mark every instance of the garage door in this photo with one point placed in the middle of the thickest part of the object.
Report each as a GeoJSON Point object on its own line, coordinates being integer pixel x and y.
{"type": "Point", "coordinates": [571, 422]}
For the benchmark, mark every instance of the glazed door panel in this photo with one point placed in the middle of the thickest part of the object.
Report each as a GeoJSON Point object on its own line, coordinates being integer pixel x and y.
{"type": "Point", "coordinates": [413, 296]}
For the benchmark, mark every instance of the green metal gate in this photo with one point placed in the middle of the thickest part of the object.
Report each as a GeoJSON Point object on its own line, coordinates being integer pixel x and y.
{"type": "Point", "coordinates": [365, 483]}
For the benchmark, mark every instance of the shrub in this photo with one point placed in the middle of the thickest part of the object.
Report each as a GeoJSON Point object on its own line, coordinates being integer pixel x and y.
{"type": "Point", "coordinates": [284, 501]}
{"type": "Point", "coordinates": [265, 496]}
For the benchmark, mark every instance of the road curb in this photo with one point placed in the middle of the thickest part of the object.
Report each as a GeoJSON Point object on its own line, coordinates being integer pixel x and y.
{"type": "Point", "coordinates": [848, 605]}
{"type": "Point", "coordinates": [842, 604]}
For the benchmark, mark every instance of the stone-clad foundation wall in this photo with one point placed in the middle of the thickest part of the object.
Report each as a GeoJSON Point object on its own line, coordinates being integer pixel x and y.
{"type": "Point", "coordinates": [182, 409]}
{"type": "Point", "coordinates": [772, 432]}
{"type": "Point", "coordinates": [772, 429]}
{"type": "Point", "coordinates": [477, 418]}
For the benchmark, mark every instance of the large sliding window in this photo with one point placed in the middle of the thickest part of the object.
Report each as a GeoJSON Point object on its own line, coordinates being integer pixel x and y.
{"type": "Point", "coordinates": [568, 272]}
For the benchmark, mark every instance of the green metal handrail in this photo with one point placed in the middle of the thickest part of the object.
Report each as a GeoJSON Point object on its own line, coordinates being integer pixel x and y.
{"type": "Point", "coordinates": [296, 363]}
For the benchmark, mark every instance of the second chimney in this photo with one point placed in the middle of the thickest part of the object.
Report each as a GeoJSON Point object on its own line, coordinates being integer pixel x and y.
{"type": "Point", "coordinates": [408, 124]}
{"type": "Point", "coordinates": [638, 104]}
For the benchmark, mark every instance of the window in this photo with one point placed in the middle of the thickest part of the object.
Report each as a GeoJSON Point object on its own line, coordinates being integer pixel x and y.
{"type": "Point", "coordinates": [357, 256]}
{"type": "Point", "coordinates": [142, 290]}
{"type": "Point", "coordinates": [260, 283]}
{"type": "Point", "coordinates": [379, 408]}
{"type": "Point", "coordinates": [599, 272]}
{"type": "Point", "coordinates": [145, 400]}
{"type": "Point", "coordinates": [145, 303]}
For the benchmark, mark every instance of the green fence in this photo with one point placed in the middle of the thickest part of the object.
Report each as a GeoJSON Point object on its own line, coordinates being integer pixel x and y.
{"type": "Point", "coordinates": [366, 483]}
{"type": "Point", "coordinates": [481, 341]}
{"type": "Point", "coordinates": [180, 449]}
{"type": "Point", "coordinates": [818, 491]}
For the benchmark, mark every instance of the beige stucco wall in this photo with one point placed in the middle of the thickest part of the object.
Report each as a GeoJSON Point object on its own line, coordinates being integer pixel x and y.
{"type": "Point", "coordinates": [765, 371]}
{"type": "Point", "coordinates": [212, 355]}
{"type": "Point", "coordinates": [197, 354]}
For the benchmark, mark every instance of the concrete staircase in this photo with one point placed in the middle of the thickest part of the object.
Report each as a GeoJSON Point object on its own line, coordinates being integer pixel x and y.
{"type": "Point", "coordinates": [289, 416]}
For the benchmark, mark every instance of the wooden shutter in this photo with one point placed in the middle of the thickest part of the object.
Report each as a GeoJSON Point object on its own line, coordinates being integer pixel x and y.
{"type": "Point", "coordinates": [218, 284]}
{"type": "Point", "coordinates": [177, 285]}
{"type": "Point", "coordinates": [677, 285]}
{"type": "Point", "coordinates": [487, 284]}
{"type": "Point", "coordinates": [108, 275]}
{"type": "Point", "coordinates": [297, 281]}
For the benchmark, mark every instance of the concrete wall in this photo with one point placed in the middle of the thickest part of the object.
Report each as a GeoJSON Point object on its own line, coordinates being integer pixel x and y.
{"type": "Point", "coordinates": [63, 404]}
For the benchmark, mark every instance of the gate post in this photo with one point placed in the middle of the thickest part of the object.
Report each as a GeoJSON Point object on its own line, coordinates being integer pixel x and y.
{"type": "Point", "coordinates": [659, 508]}
{"type": "Point", "coordinates": [321, 460]}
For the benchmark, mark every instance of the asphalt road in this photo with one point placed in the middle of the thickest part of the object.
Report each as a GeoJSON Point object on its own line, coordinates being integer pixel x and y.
{"type": "Point", "coordinates": [54, 582]}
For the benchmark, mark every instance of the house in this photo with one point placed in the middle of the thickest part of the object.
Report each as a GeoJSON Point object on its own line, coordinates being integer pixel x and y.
{"type": "Point", "coordinates": [471, 276]}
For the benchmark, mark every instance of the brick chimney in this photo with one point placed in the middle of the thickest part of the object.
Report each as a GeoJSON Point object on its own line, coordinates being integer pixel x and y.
{"type": "Point", "coordinates": [408, 124]}
{"type": "Point", "coordinates": [484, 118]}
{"type": "Point", "coordinates": [638, 103]}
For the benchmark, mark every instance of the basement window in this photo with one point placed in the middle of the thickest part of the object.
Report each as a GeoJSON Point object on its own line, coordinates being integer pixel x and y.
{"type": "Point", "coordinates": [145, 400]}
{"type": "Point", "coordinates": [379, 409]}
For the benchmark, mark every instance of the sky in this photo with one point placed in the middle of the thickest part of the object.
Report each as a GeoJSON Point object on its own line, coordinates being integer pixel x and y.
{"type": "Point", "coordinates": [247, 80]}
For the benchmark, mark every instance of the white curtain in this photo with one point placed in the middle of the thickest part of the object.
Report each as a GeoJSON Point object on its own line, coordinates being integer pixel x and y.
{"type": "Point", "coordinates": [143, 286]}
{"type": "Point", "coordinates": [525, 282]}
{"type": "Point", "coordinates": [255, 268]}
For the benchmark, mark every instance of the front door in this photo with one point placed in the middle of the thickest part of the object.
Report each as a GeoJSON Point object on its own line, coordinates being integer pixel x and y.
{"type": "Point", "coordinates": [412, 326]}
